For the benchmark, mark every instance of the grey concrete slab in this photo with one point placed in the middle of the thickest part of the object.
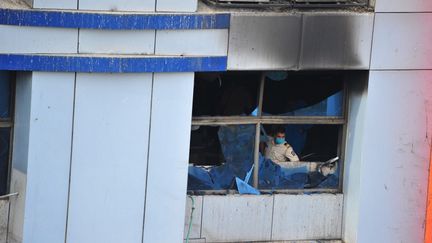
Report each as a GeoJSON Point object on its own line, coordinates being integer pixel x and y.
{"type": "Point", "coordinates": [303, 217]}
{"type": "Point", "coordinates": [234, 218]}
{"type": "Point", "coordinates": [196, 217]}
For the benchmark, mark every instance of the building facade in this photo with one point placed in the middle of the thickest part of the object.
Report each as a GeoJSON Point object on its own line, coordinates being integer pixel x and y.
{"type": "Point", "coordinates": [101, 106]}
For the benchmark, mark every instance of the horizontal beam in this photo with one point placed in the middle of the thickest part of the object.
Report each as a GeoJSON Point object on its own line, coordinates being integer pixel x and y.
{"type": "Point", "coordinates": [111, 64]}
{"type": "Point", "coordinates": [113, 21]}
{"type": "Point", "coordinates": [5, 124]}
{"type": "Point", "coordinates": [244, 120]}
{"type": "Point", "coordinates": [264, 191]}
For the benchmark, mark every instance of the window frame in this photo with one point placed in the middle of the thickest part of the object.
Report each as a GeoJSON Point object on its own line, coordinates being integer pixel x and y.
{"type": "Point", "coordinates": [9, 123]}
{"type": "Point", "coordinates": [259, 119]}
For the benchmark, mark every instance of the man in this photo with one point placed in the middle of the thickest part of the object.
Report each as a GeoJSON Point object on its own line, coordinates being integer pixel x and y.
{"type": "Point", "coordinates": [278, 150]}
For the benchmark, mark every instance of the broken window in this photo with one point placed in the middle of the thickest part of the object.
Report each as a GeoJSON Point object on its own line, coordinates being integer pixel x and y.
{"type": "Point", "coordinates": [218, 154]}
{"type": "Point", "coordinates": [302, 94]}
{"type": "Point", "coordinates": [311, 149]}
{"type": "Point", "coordinates": [255, 132]}
{"type": "Point", "coordinates": [227, 94]}
{"type": "Point", "coordinates": [6, 123]}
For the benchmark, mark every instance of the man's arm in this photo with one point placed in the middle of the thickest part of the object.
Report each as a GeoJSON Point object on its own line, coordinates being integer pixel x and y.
{"type": "Point", "coordinates": [290, 154]}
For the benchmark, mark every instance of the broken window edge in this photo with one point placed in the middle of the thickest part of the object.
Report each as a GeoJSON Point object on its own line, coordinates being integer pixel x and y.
{"type": "Point", "coordinates": [264, 192]}
{"type": "Point", "coordinates": [225, 120]}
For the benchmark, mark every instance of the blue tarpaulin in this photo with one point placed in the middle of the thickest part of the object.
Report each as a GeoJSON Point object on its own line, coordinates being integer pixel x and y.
{"type": "Point", "coordinates": [237, 145]}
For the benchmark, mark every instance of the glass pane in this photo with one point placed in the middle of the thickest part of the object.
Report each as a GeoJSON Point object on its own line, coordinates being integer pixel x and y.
{"type": "Point", "coordinates": [228, 94]}
{"type": "Point", "coordinates": [4, 159]}
{"type": "Point", "coordinates": [299, 156]}
{"type": "Point", "coordinates": [303, 94]}
{"type": "Point", "coordinates": [219, 154]}
{"type": "Point", "coordinates": [4, 94]}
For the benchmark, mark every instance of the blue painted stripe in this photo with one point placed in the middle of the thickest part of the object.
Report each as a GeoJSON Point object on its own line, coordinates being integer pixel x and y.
{"type": "Point", "coordinates": [123, 21]}
{"type": "Point", "coordinates": [111, 64]}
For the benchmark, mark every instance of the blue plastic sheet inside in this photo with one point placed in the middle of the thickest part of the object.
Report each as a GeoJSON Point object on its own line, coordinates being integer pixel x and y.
{"type": "Point", "coordinates": [237, 144]}
{"type": "Point", "coordinates": [243, 187]}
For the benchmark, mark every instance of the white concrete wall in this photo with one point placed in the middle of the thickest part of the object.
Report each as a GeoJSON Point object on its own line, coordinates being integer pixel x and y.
{"type": "Point", "coordinates": [118, 5]}
{"type": "Point", "coordinates": [243, 218]}
{"type": "Point", "coordinates": [109, 159]}
{"type": "Point", "coordinates": [386, 190]}
{"type": "Point", "coordinates": [357, 100]}
{"type": "Point", "coordinates": [176, 6]}
{"type": "Point", "coordinates": [403, 6]}
{"type": "Point", "coordinates": [171, 115]}
{"type": "Point", "coordinates": [394, 170]}
{"type": "Point", "coordinates": [402, 41]}
{"type": "Point", "coordinates": [116, 41]}
{"type": "Point", "coordinates": [55, 4]}
{"type": "Point", "coordinates": [23, 39]}
{"type": "Point", "coordinates": [41, 158]}
{"type": "Point", "coordinates": [102, 150]}
{"type": "Point", "coordinates": [91, 185]}
{"type": "Point", "coordinates": [20, 156]}
{"type": "Point", "coordinates": [192, 42]}
{"type": "Point", "coordinates": [49, 156]}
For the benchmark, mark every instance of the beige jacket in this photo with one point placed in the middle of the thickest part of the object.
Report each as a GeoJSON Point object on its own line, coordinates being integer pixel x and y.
{"type": "Point", "coordinates": [280, 153]}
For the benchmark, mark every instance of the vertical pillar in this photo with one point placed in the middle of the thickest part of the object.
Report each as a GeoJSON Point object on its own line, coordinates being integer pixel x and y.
{"type": "Point", "coordinates": [109, 158]}
{"type": "Point", "coordinates": [168, 157]}
{"type": "Point", "coordinates": [394, 159]}
{"type": "Point", "coordinates": [357, 100]}
{"type": "Point", "coordinates": [393, 173]}
{"type": "Point", "coordinates": [41, 158]}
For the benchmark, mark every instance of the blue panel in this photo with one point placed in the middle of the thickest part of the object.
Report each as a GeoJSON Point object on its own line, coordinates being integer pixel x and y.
{"type": "Point", "coordinates": [5, 89]}
{"type": "Point", "coordinates": [111, 64]}
{"type": "Point", "coordinates": [113, 21]}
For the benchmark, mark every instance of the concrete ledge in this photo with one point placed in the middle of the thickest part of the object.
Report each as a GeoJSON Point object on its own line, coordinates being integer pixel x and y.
{"type": "Point", "coordinates": [266, 218]}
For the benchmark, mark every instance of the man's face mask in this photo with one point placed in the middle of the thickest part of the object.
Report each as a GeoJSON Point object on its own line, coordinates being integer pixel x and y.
{"type": "Point", "coordinates": [279, 140]}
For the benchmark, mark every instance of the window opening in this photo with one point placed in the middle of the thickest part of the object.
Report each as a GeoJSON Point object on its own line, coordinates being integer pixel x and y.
{"type": "Point", "coordinates": [4, 159]}
{"type": "Point", "coordinates": [233, 157]}
{"type": "Point", "coordinates": [276, 131]}
{"type": "Point", "coordinates": [6, 127]}
{"type": "Point", "coordinates": [229, 94]}
{"type": "Point", "coordinates": [303, 95]}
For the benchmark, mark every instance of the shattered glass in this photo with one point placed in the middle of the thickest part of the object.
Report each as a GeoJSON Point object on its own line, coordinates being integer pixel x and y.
{"type": "Point", "coordinates": [237, 146]}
